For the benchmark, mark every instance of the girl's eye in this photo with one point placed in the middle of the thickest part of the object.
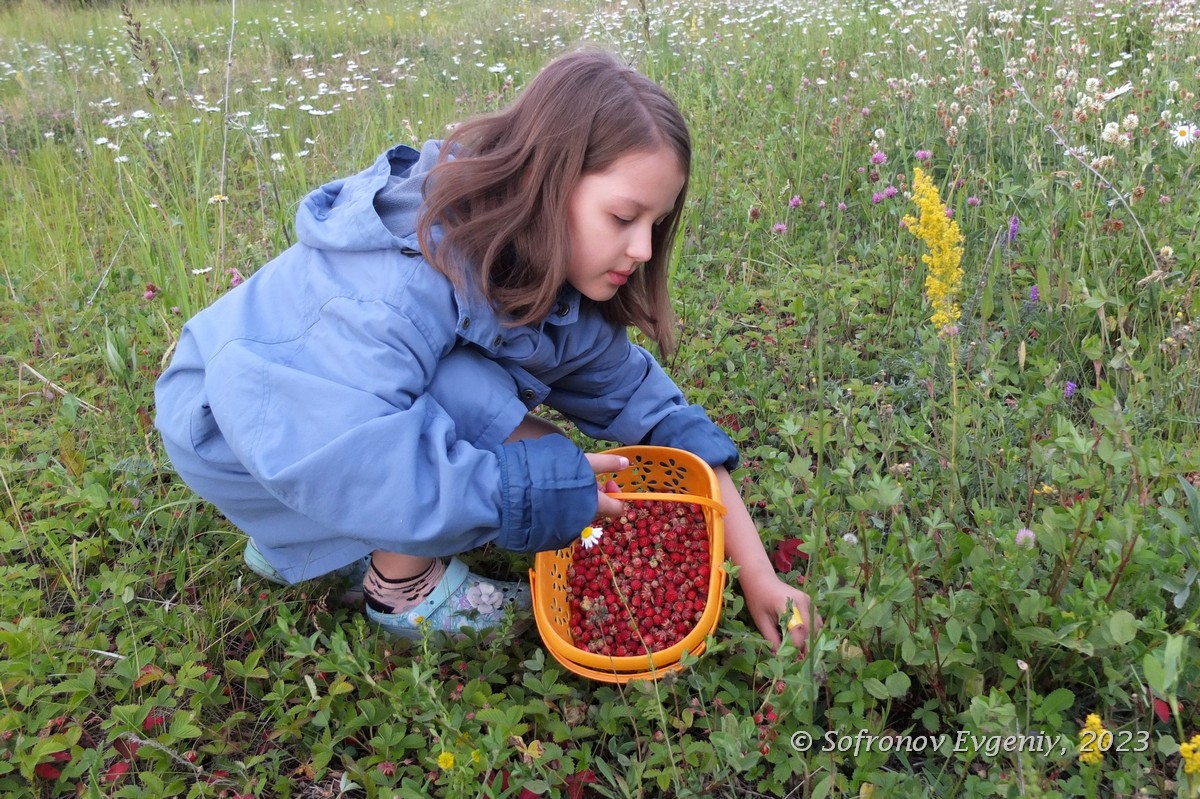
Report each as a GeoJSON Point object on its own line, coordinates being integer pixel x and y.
{"type": "Point", "coordinates": [622, 220]}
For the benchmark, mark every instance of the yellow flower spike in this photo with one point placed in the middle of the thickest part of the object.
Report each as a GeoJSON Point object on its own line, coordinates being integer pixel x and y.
{"type": "Point", "coordinates": [944, 239]}
{"type": "Point", "coordinates": [1189, 753]}
{"type": "Point", "coordinates": [446, 761]}
{"type": "Point", "coordinates": [1089, 735]}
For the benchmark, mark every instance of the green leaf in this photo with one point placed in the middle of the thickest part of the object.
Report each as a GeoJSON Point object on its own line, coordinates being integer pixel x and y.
{"type": "Point", "coordinates": [1155, 674]}
{"type": "Point", "coordinates": [1057, 701]}
{"type": "Point", "coordinates": [898, 684]}
{"type": "Point", "coordinates": [953, 631]}
{"type": "Point", "coordinates": [876, 688]}
{"type": "Point", "coordinates": [1123, 627]}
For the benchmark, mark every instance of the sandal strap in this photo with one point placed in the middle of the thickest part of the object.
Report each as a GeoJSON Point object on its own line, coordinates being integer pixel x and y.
{"type": "Point", "coordinates": [456, 574]}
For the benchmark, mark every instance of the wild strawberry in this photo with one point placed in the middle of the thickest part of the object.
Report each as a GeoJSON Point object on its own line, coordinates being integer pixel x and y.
{"type": "Point", "coordinates": [658, 554]}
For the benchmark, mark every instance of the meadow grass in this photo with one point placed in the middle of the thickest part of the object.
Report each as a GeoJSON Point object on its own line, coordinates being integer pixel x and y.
{"type": "Point", "coordinates": [998, 518]}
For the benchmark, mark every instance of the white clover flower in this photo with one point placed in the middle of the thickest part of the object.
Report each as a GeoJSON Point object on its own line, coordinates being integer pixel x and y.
{"type": "Point", "coordinates": [1130, 121]}
{"type": "Point", "coordinates": [1111, 133]}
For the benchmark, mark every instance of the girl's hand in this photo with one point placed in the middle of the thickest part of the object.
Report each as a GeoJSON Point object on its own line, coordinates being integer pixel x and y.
{"type": "Point", "coordinates": [771, 602]}
{"type": "Point", "coordinates": [601, 463]}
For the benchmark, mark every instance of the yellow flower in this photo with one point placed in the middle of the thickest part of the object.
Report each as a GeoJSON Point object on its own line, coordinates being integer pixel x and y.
{"type": "Point", "coordinates": [942, 236]}
{"type": "Point", "coordinates": [1190, 752]}
{"type": "Point", "coordinates": [446, 761]}
{"type": "Point", "coordinates": [1089, 749]}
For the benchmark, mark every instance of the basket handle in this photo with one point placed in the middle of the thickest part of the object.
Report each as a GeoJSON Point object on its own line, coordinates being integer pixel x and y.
{"type": "Point", "coordinates": [663, 496]}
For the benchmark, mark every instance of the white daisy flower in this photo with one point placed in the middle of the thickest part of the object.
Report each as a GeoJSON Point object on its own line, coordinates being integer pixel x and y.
{"type": "Point", "coordinates": [1183, 134]}
{"type": "Point", "coordinates": [591, 536]}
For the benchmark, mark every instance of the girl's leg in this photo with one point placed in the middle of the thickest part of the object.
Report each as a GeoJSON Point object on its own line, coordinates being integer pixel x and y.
{"type": "Point", "coordinates": [395, 582]}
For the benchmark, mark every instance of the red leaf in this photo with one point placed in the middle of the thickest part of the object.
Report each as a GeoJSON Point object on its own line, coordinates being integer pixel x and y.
{"type": "Point", "coordinates": [499, 774]}
{"type": "Point", "coordinates": [577, 781]}
{"type": "Point", "coordinates": [126, 748]}
{"type": "Point", "coordinates": [527, 794]}
{"type": "Point", "coordinates": [47, 771]}
{"type": "Point", "coordinates": [785, 555]}
{"type": "Point", "coordinates": [116, 770]}
{"type": "Point", "coordinates": [1162, 710]}
{"type": "Point", "coordinates": [149, 673]}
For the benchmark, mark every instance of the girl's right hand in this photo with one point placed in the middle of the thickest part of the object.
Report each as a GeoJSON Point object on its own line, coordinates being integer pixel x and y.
{"type": "Point", "coordinates": [602, 463]}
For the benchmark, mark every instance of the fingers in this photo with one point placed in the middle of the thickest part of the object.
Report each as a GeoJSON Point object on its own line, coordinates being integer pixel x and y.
{"type": "Point", "coordinates": [801, 622]}
{"type": "Point", "coordinates": [769, 627]}
{"type": "Point", "coordinates": [602, 462]}
{"type": "Point", "coordinates": [609, 507]}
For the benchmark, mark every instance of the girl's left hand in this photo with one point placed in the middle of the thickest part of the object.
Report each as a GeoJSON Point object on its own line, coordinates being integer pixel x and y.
{"type": "Point", "coordinates": [771, 602]}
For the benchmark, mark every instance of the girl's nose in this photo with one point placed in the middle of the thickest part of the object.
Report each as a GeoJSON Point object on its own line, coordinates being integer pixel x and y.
{"type": "Point", "coordinates": [641, 245]}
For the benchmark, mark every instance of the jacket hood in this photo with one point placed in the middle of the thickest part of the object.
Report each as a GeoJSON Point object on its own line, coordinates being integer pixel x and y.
{"type": "Point", "coordinates": [373, 210]}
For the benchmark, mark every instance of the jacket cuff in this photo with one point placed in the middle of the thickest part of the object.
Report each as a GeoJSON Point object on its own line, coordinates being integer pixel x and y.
{"type": "Point", "coordinates": [548, 494]}
{"type": "Point", "coordinates": [689, 428]}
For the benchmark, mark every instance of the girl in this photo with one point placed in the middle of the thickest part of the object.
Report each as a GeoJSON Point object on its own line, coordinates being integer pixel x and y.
{"type": "Point", "coordinates": [365, 397]}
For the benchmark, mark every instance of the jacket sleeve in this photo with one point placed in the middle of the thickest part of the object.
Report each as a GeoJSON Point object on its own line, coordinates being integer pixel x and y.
{"type": "Point", "coordinates": [337, 425]}
{"type": "Point", "coordinates": [622, 394]}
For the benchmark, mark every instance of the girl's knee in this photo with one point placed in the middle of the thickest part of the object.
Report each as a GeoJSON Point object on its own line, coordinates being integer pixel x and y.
{"type": "Point", "coordinates": [535, 427]}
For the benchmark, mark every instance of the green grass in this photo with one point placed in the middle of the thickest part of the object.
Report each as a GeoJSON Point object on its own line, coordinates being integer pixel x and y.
{"type": "Point", "coordinates": [137, 657]}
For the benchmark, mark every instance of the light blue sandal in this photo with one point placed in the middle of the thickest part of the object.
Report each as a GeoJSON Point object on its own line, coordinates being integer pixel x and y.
{"type": "Point", "coordinates": [462, 599]}
{"type": "Point", "coordinates": [256, 563]}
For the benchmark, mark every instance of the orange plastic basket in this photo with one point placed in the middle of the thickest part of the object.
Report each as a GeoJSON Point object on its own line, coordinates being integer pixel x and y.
{"type": "Point", "coordinates": [654, 473]}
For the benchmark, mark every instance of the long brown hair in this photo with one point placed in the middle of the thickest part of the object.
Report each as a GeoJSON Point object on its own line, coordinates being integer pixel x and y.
{"type": "Point", "coordinates": [499, 192]}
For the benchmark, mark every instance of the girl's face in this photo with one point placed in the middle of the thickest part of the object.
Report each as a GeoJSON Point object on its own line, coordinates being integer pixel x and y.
{"type": "Point", "coordinates": [611, 216]}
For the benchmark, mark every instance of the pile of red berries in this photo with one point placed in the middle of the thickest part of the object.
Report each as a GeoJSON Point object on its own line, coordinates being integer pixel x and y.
{"type": "Point", "coordinates": [643, 586]}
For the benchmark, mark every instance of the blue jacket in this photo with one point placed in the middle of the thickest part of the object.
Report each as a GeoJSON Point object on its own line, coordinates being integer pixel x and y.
{"type": "Point", "coordinates": [353, 383]}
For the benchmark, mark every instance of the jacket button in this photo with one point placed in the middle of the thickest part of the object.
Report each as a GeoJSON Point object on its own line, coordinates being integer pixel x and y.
{"type": "Point", "coordinates": [528, 394]}
{"type": "Point", "coordinates": [466, 323]}
{"type": "Point", "coordinates": [562, 310]}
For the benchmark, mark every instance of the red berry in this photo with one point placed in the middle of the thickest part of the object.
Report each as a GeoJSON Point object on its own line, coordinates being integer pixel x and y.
{"type": "Point", "coordinates": [658, 554]}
